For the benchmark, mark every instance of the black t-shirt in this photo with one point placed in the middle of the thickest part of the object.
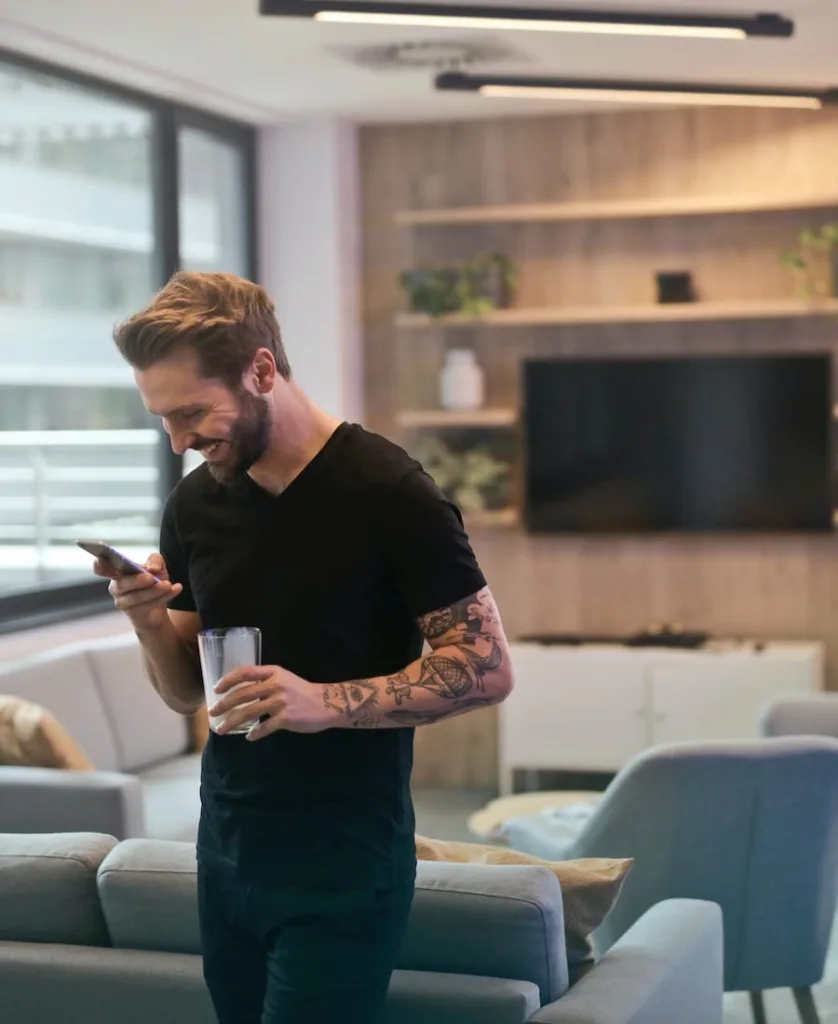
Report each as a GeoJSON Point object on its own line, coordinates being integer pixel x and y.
{"type": "Point", "coordinates": [334, 571]}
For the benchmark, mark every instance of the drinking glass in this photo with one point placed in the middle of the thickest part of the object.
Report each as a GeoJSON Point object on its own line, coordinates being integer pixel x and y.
{"type": "Point", "coordinates": [221, 651]}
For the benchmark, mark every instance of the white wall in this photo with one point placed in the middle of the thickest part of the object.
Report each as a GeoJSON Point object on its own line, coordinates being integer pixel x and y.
{"type": "Point", "coordinates": [309, 258]}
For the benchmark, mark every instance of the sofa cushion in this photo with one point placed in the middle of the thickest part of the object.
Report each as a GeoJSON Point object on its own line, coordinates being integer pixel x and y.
{"type": "Point", "coordinates": [32, 737]}
{"type": "Point", "coordinates": [171, 798]}
{"type": "Point", "coordinates": [148, 891]}
{"type": "Point", "coordinates": [491, 920]}
{"type": "Point", "coordinates": [145, 730]}
{"type": "Point", "coordinates": [589, 886]}
{"type": "Point", "coordinates": [416, 997]}
{"type": "Point", "coordinates": [48, 888]}
{"type": "Point", "coordinates": [474, 919]}
{"type": "Point", "coordinates": [62, 681]}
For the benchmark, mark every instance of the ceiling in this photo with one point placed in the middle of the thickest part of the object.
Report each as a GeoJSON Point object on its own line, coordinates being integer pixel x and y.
{"type": "Point", "coordinates": [221, 55]}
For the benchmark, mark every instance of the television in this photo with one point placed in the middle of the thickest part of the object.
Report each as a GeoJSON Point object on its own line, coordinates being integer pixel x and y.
{"type": "Point", "coordinates": [701, 444]}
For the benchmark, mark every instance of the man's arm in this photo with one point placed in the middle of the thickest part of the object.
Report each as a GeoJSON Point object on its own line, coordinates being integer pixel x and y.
{"type": "Point", "coordinates": [469, 667]}
{"type": "Point", "coordinates": [170, 658]}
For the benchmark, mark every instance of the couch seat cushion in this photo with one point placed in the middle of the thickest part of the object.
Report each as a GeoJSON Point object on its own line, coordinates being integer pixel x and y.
{"type": "Point", "coordinates": [148, 890]}
{"type": "Point", "coordinates": [48, 888]}
{"type": "Point", "coordinates": [416, 997]}
{"type": "Point", "coordinates": [490, 921]}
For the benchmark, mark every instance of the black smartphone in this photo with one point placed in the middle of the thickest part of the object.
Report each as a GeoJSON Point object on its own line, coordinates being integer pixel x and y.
{"type": "Point", "coordinates": [116, 560]}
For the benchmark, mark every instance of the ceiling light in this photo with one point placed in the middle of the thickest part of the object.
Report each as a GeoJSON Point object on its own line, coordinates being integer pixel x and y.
{"type": "Point", "coordinates": [590, 90]}
{"type": "Point", "coordinates": [532, 19]}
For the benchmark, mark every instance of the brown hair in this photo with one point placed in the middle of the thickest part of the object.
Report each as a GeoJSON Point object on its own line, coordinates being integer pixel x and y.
{"type": "Point", "coordinates": [224, 318]}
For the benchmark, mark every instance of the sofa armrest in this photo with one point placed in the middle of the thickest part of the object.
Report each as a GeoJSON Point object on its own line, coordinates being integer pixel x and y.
{"type": "Point", "coordinates": [811, 715]}
{"type": "Point", "coordinates": [54, 800]}
{"type": "Point", "coordinates": [667, 967]}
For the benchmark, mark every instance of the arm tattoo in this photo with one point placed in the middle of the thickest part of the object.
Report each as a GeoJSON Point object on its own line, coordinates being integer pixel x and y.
{"type": "Point", "coordinates": [468, 646]}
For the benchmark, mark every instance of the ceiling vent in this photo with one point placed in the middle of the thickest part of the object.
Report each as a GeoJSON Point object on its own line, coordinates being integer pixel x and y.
{"type": "Point", "coordinates": [434, 55]}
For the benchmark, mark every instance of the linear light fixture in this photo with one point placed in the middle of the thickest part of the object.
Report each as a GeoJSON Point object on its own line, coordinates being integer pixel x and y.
{"type": "Point", "coordinates": [532, 19]}
{"type": "Point", "coordinates": [591, 90]}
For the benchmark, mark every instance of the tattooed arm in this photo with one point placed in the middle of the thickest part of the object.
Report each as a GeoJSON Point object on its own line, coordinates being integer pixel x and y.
{"type": "Point", "coordinates": [468, 668]}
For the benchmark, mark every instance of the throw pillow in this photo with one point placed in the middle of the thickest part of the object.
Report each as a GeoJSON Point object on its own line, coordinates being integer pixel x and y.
{"type": "Point", "coordinates": [590, 886]}
{"type": "Point", "coordinates": [31, 736]}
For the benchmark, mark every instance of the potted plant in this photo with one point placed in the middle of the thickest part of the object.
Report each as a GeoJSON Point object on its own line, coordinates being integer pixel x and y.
{"type": "Point", "coordinates": [474, 288]}
{"type": "Point", "coordinates": [485, 283]}
{"type": "Point", "coordinates": [474, 479]}
{"type": "Point", "coordinates": [814, 261]}
{"type": "Point", "coordinates": [432, 289]}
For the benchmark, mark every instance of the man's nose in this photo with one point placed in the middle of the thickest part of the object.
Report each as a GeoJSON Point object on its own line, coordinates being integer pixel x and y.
{"type": "Point", "coordinates": [181, 440]}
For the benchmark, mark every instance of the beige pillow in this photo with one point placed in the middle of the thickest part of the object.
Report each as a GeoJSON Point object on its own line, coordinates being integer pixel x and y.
{"type": "Point", "coordinates": [31, 736]}
{"type": "Point", "coordinates": [590, 886]}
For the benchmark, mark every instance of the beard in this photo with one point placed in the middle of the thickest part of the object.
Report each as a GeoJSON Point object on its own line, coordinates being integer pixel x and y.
{"type": "Point", "coordinates": [248, 440]}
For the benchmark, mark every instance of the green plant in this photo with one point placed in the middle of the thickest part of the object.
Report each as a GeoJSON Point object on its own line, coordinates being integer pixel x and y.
{"type": "Point", "coordinates": [812, 260]}
{"type": "Point", "coordinates": [431, 289]}
{"type": "Point", "coordinates": [473, 288]}
{"type": "Point", "coordinates": [486, 283]}
{"type": "Point", "coordinates": [474, 479]}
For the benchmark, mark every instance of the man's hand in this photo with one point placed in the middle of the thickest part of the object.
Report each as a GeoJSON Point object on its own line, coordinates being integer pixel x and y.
{"type": "Point", "coordinates": [288, 701]}
{"type": "Point", "coordinates": [141, 598]}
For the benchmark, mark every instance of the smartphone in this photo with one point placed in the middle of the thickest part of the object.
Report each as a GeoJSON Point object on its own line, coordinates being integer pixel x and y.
{"type": "Point", "coordinates": [116, 560]}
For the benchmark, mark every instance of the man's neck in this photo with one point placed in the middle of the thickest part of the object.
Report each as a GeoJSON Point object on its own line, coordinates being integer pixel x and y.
{"type": "Point", "coordinates": [301, 429]}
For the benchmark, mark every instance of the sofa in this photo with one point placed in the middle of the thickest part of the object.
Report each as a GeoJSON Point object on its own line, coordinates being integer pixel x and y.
{"type": "Point", "coordinates": [93, 930]}
{"type": "Point", "coordinates": [147, 778]}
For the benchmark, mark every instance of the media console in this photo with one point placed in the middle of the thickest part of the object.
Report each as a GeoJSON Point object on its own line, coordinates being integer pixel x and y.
{"type": "Point", "coordinates": [593, 707]}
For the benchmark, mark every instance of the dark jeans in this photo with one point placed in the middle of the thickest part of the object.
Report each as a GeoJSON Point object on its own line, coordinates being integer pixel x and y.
{"type": "Point", "coordinates": [289, 954]}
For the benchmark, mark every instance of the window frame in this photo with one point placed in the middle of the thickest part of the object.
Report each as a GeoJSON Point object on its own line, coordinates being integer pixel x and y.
{"type": "Point", "coordinates": [37, 606]}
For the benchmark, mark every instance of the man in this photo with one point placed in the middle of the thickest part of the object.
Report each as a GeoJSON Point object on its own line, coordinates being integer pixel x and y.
{"type": "Point", "coordinates": [342, 551]}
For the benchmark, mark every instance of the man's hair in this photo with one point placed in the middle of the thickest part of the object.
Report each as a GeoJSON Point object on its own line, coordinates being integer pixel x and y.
{"type": "Point", "coordinates": [223, 318]}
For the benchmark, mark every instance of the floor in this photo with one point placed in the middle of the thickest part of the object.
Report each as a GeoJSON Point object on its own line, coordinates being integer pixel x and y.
{"type": "Point", "coordinates": [442, 814]}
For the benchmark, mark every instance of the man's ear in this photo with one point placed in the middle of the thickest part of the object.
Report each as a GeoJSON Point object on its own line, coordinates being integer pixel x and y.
{"type": "Point", "coordinates": [264, 371]}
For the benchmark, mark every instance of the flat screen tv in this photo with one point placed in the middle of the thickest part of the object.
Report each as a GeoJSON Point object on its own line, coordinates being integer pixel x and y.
{"type": "Point", "coordinates": [678, 444]}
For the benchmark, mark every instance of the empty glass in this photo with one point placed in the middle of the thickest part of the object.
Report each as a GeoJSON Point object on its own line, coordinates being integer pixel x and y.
{"type": "Point", "coordinates": [221, 651]}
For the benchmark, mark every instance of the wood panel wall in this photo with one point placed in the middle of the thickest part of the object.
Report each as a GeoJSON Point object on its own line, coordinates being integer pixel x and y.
{"type": "Point", "coordinates": [764, 587]}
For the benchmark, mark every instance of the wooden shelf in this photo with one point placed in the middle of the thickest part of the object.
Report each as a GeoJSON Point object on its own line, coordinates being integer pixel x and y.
{"type": "Point", "coordinates": [616, 209]}
{"type": "Point", "coordinates": [442, 418]}
{"type": "Point", "coordinates": [504, 517]}
{"type": "Point", "coordinates": [754, 309]}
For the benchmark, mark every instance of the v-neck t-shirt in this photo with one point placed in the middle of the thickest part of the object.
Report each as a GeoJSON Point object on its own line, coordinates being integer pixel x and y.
{"type": "Point", "coordinates": [334, 571]}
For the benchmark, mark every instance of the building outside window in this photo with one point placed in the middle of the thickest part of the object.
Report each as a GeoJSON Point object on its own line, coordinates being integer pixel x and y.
{"type": "Point", "coordinates": [87, 175]}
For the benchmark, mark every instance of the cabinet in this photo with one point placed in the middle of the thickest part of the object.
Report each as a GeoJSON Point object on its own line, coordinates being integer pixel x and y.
{"type": "Point", "coordinates": [594, 707]}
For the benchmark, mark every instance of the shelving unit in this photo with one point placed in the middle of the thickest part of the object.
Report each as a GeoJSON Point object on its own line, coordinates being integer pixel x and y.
{"type": "Point", "coordinates": [665, 313]}
{"type": "Point", "coordinates": [614, 209]}
{"type": "Point", "coordinates": [441, 419]}
{"type": "Point", "coordinates": [628, 209]}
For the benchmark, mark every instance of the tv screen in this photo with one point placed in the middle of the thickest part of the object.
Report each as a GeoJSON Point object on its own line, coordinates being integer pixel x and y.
{"type": "Point", "coordinates": [694, 444]}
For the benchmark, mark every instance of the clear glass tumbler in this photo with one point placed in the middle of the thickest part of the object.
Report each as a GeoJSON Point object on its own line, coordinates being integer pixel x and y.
{"type": "Point", "coordinates": [221, 651]}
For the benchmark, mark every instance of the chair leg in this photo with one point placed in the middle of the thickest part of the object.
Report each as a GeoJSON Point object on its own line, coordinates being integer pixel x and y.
{"type": "Point", "coordinates": [806, 1005]}
{"type": "Point", "coordinates": [758, 1007]}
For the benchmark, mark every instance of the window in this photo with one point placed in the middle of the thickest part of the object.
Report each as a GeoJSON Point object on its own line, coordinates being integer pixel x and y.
{"type": "Point", "coordinates": [87, 173]}
{"type": "Point", "coordinates": [212, 212]}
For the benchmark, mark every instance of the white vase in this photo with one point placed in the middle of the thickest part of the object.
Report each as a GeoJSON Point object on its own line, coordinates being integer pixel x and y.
{"type": "Point", "coordinates": [461, 384]}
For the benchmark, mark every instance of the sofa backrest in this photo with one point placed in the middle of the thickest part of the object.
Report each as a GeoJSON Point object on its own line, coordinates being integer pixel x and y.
{"type": "Point", "coordinates": [144, 729]}
{"type": "Point", "coordinates": [477, 919]}
{"type": "Point", "coordinates": [62, 681]}
{"type": "Point", "coordinates": [48, 888]}
{"type": "Point", "coordinates": [492, 920]}
{"type": "Point", "coordinates": [99, 693]}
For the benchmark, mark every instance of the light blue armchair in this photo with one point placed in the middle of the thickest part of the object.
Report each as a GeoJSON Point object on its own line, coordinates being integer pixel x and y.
{"type": "Point", "coordinates": [752, 826]}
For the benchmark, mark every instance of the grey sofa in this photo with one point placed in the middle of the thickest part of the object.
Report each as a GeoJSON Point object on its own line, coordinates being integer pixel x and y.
{"type": "Point", "coordinates": [146, 783]}
{"type": "Point", "coordinates": [93, 931]}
